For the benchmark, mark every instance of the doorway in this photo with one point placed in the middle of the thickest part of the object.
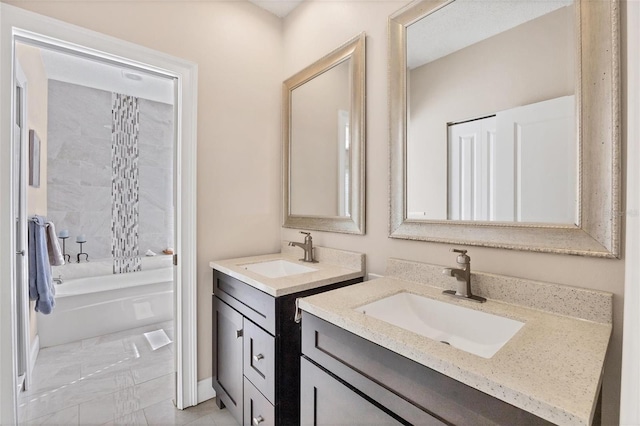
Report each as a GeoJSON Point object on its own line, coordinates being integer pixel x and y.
{"type": "Point", "coordinates": [105, 163]}
{"type": "Point", "coordinates": [20, 25]}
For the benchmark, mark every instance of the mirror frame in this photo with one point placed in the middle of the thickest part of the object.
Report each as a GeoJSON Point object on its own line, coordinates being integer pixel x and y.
{"type": "Point", "coordinates": [598, 128]}
{"type": "Point", "coordinates": [354, 49]}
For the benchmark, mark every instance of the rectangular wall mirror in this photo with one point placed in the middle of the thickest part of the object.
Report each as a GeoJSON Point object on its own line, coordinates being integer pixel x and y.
{"type": "Point", "coordinates": [323, 142]}
{"type": "Point", "coordinates": [504, 124]}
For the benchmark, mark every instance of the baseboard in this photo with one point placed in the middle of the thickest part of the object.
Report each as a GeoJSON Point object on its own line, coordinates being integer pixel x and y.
{"type": "Point", "coordinates": [35, 350]}
{"type": "Point", "coordinates": [205, 390]}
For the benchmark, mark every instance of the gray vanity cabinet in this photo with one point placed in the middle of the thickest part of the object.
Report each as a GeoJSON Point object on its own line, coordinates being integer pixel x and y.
{"type": "Point", "coordinates": [256, 351]}
{"type": "Point", "coordinates": [395, 388]}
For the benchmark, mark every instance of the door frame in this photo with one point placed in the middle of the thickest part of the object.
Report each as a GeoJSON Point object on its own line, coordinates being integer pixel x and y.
{"type": "Point", "coordinates": [16, 23]}
{"type": "Point", "coordinates": [630, 378]}
{"type": "Point", "coordinates": [21, 81]}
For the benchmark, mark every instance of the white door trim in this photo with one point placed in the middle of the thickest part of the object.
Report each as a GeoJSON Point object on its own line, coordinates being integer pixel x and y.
{"type": "Point", "coordinates": [630, 381]}
{"type": "Point", "coordinates": [16, 22]}
{"type": "Point", "coordinates": [21, 81]}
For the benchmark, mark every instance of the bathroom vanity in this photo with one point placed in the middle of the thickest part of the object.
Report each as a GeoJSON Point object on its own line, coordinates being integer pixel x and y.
{"type": "Point", "coordinates": [357, 368]}
{"type": "Point", "coordinates": [256, 339]}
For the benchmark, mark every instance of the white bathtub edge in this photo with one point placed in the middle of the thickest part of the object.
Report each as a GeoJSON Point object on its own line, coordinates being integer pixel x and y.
{"type": "Point", "coordinates": [205, 390]}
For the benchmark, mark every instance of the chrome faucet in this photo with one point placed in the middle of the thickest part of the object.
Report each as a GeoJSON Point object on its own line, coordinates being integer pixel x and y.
{"type": "Point", "coordinates": [463, 276]}
{"type": "Point", "coordinates": [307, 246]}
{"type": "Point", "coordinates": [58, 280]}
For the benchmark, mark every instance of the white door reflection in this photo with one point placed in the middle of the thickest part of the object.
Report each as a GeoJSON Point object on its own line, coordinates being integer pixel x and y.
{"type": "Point", "coordinates": [516, 166]}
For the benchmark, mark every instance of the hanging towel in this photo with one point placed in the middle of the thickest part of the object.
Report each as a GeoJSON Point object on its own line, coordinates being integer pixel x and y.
{"type": "Point", "coordinates": [40, 283]}
{"type": "Point", "coordinates": [53, 246]}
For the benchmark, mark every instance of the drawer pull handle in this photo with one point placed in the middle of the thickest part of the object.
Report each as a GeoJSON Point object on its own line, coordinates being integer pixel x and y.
{"type": "Point", "coordinates": [258, 357]}
{"type": "Point", "coordinates": [258, 420]}
{"type": "Point", "coordinates": [238, 333]}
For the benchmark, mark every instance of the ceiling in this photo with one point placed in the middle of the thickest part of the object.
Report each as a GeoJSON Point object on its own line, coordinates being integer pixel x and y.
{"type": "Point", "coordinates": [280, 8]}
{"type": "Point", "coordinates": [465, 22]}
{"type": "Point", "coordinates": [101, 75]}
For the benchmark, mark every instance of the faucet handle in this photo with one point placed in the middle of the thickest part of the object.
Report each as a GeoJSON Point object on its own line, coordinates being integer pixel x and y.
{"type": "Point", "coordinates": [463, 258]}
{"type": "Point", "coordinates": [307, 236]}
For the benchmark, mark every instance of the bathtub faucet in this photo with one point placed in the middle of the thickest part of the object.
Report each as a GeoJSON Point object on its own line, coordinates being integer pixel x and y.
{"type": "Point", "coordinates": [58, 280]}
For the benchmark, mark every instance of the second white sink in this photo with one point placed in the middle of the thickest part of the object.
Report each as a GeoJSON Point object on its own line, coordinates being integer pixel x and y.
{"type": "Point", "coordinates": [278, 268]}
{"type": "Point", "coordinates": [472, 331]}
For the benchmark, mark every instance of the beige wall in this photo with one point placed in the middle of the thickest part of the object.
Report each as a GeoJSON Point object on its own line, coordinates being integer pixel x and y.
{"type": "Point", "coordinates": [238, 49]}
{"type": "Point", "coordinates": [336, 22]}
{"type": "Point", "coordinates": [530, 63]}
{"type": "Point", "coordinates": [37, 94]}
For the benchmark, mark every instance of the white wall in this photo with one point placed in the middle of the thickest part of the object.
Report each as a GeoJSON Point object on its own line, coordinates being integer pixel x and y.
{"type": "Point", "coordinates": [238, 49]}
{"type": "Point", "coordinates": [317, 27]}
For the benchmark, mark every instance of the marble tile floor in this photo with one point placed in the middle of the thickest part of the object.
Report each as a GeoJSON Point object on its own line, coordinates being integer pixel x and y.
{"type": "Point", "coordinates": [115, 379]}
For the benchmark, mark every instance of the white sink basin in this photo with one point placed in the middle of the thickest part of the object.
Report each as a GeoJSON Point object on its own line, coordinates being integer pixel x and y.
{"type": "Point", "coordinates": [472, 331]}
{"type": "Point", "coordinates": [278, 268]}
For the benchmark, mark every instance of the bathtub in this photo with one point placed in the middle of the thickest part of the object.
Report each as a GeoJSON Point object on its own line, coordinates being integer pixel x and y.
{"type": "Point", "coordinates": [92, 306]}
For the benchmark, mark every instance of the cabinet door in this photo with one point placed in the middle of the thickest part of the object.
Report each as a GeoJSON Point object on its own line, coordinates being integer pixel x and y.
{"type": "Point", "coordinates": [227, 366]}
{"type": "Point", "coordinates": [326, 401]}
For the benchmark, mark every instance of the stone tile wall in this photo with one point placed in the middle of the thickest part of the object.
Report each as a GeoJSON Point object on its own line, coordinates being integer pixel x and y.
{"type": "Point", "coordinates": [80, 169]}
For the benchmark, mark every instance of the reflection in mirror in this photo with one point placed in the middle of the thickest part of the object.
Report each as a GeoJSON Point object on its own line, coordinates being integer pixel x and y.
{"type": "Point", "coordinates": [320, 144]}
{"type": "Point", "coordinates": [491, 113]}
{"type": "Point", "coordinates": [504, 124]}
{"type": "Point", "coordinates": [323, 142]}
{"type": "Point", "coordinates": [517, 165]}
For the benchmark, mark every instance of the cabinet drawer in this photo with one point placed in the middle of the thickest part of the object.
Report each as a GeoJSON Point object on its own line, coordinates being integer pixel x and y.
{"type": "Point", "coordinates": [259, 359]}
{"type": "Point", "coordinates": [327, 401]}
{"type": "Point", "coordinates": [254, 304]}
{"type": "Point", "coordinates": [258, 411]}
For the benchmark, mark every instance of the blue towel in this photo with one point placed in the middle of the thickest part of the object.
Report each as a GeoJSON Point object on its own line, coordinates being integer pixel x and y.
{"type": "Point", "coordinates": [40, 283]}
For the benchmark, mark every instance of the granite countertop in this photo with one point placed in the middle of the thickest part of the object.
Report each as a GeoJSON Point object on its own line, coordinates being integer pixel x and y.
{"type": "Point", "coordinates": [552, 367]}
{"type": "Point", "coordinates": [333, 266]}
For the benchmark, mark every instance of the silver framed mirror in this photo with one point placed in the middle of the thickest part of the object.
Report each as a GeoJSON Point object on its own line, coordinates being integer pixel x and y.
{"type": "Point", "coordinates": [324, 143]}
{"type": "Point", "coordinates": [463, 204]}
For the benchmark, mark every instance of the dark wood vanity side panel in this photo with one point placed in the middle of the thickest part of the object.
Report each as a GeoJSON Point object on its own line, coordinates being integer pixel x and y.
{"type": "Point", "coordinates": [288, 352]}
{"type": "Point", "coordinates": [254, 304]}
{"type": "Point", "coordinates": [399, 383]}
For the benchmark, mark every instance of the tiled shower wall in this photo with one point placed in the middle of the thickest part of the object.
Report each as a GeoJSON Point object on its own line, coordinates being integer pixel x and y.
{"type": "Point", "coordinates": [125, 183]}
{"type": "Point", "coordinates": [80, 169]}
